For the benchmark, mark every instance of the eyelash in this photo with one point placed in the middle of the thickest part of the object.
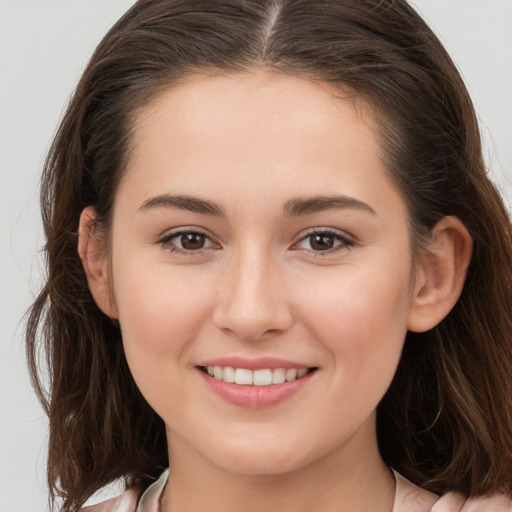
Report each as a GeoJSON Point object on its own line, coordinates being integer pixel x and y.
{"type": "Point", "coordinates": [344, 241]}
{"type": "Point", "coordinates": [166, 242]}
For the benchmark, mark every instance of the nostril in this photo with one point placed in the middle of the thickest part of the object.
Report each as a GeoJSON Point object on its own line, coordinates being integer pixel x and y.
{"type": "Point", "coordinates": [253, 309]}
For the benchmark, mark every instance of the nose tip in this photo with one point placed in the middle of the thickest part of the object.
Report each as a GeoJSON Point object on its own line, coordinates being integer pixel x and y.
{"type": "Point", "coordinates": [250, 325]}
{"type": "Point", "coordinates": [254, 304]}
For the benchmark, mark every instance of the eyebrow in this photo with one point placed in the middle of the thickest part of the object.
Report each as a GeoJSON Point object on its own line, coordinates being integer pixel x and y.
{"type": "Point", "coordinates": [294, 207]}
{"type": "Point", "coordinates": [191, 204]}
{"type": "Point", "coordinates": [309, 205]}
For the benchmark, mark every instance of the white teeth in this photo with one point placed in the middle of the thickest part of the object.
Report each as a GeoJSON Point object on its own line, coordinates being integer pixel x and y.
{"type": "Point", "coordinates": [217, 372]}
{"type": "Point", "coordinates": [229, 374]}
{"type": "Point", "coordinates": [262, 378]}
{"type": "Point", "coordinates": [291, 374]}
{"type": "Point", "coordinates": [265, 377]}
{"type": "Point", "coordinates": [243, 376]}
{"type": "Point", "coordinates": [278, 376]}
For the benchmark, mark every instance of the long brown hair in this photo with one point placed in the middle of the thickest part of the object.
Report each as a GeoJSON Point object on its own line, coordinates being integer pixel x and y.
{"type": "Point", "coordinates": [446, 421]}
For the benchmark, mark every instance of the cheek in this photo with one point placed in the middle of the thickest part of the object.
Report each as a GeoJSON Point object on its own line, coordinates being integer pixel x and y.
{"type": "Point", "coordinates": [361, 300]}
{"type": "Point", "coordinates": [160, 315]}
{"type": "Point", "coordinates": [360, 317]}
{"type": "Point", "coordinates": [160, 311]}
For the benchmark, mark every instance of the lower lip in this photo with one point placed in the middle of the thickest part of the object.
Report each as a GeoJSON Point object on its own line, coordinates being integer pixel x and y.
{"type": "Point", "coordinates": [255, 397]}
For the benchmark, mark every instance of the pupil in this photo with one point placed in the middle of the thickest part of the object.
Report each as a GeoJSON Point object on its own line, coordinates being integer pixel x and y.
{"type": "Point", "coordinates": [322, 242]}
{"type": "Point", "coordinates": [192, 241]}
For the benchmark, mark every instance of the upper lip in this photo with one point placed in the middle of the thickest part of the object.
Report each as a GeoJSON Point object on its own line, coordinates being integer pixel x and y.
{"type": "Point", "coordinates": [259, 363]}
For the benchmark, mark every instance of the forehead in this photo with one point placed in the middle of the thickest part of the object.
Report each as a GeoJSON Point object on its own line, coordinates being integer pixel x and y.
{"type": "Point", "coordinates": [273, 95]}
{"type": "Point", "coordinates": [263, 132]}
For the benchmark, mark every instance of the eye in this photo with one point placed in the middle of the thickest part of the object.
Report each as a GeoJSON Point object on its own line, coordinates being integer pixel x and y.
{"type": "Point", "coordinates": [186, 241]}
{"type": "Point", "coordinates": [324, 241]}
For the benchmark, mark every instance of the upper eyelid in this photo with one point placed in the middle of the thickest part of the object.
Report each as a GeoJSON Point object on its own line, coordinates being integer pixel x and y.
{"type": "Point", "coordinates": [168, 235]}
{"type": "Point", "coordinates": [347, 241]}
{"type": "Point", "coordinates": [165, 242]}
{"type": "Point", "coordinates": [331, 231]}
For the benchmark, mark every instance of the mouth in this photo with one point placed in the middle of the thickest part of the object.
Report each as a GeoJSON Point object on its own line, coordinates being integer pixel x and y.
{"type": "Point", "coordinates": [260, 377]}
{"type": "Point", "coordinates": [255, 388]}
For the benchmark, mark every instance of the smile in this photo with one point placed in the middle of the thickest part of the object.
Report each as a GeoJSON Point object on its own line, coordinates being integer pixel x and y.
{"type": "Point", "coordinates": [262, 377]}
{"type": "Point", "coordinates": [269, 382]}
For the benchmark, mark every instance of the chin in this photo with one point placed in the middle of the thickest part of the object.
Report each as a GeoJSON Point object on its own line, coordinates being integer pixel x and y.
{"type": "Point", "coordinates": [261, 466]}
{"type": "Point", "coordinates": [256, 458]}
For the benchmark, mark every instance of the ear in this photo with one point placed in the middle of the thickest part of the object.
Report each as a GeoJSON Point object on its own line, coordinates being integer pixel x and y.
{"type": "Point", "coordinates": [92, 252]}
{"type": "Point", "coordinates": [440, 274]}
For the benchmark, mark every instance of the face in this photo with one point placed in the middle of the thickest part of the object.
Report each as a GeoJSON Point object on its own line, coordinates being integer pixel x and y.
{"type": "Point", "coordinates": [257, 236]}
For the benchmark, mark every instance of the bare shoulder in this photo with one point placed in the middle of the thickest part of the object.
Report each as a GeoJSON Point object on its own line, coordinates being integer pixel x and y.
{"type": "Point", "coordinates": [126, 502]}
{"type": "Point", "coordinates": [454, 502]}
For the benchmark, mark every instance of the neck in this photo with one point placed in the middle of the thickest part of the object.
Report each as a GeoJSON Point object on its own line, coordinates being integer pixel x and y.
{"type": "Point", "coordinates": [351, 478]}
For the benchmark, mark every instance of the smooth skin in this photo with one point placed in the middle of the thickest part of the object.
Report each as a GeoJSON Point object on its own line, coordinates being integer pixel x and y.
{"type": "Point", "coordinates": [256, 218]}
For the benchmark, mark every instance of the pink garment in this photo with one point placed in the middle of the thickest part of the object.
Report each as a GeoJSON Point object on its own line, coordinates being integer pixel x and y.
{"type": "Point", "coordinates": [408, 498]}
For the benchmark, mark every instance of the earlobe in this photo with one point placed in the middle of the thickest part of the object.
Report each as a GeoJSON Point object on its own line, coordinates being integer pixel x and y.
{"type": "Point", "coordinates": [95, 262]}
{"type": "Point", "coordinates": [441, 273]}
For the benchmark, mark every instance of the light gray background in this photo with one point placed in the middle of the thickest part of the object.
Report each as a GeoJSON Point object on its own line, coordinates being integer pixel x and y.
{"type": "Point", "coordinates": [44, 45]}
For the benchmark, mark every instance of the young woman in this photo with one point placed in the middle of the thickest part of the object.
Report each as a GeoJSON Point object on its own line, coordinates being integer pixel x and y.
{"type": "Point", "coordinates": [275, 266]}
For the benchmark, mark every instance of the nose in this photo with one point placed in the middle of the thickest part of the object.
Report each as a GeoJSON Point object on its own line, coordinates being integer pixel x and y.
{"type": "Point", "coordinates": [252, 301]}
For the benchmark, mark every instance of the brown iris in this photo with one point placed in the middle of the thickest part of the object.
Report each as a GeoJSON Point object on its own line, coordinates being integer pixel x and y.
{"type": "Point", "coordinates": [192, 241]}
{"type": "Point", "coordinates": [322, 241]}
